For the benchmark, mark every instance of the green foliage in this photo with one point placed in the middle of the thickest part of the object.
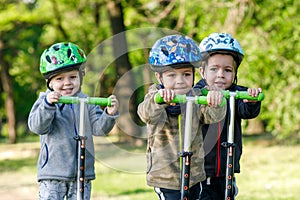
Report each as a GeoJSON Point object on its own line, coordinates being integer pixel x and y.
{"type": "Point", "coordinates": [20, 30]}
{"type": "Point", "coordinates": [272, 62]}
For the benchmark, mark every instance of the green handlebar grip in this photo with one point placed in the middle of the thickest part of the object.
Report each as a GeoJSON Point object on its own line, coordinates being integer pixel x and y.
{"type": "Point", "coordinates": [68, 100]}
{"type": "Point", "coordinates": [203, 100]}
{"type": "Point", "coordinates": [99, 101]}
{"type": "Point", "coordinates": [89, 100]}
{"type": "Point", "coordinates": [223, 103]}
{"type": "Point", "coordinates": [204, 91]}
{"type": "Point", "coordinates": [177, 99]}
{"type": "Point", "coordinates": [244, 95]}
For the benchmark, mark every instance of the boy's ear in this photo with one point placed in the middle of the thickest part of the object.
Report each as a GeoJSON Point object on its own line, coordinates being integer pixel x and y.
{"type": "Point", "coordinates": [201, 71]}
{"type": "Point", "coordinates": [157, 75]}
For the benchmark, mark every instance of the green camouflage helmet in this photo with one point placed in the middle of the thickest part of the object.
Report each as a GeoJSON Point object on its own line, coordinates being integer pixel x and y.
{"type": "Point", "coordinates": [60, 57]}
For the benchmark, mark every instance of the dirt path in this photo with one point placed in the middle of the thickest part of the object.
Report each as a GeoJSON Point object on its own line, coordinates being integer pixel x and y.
{"type": "Point", "coordinates": [18, 186]}
{"type": "Point", "coordinates": [21, 184]}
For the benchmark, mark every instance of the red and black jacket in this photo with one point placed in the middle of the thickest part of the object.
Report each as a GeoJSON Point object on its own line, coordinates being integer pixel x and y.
{"type": "Point", "coordinates": [215, 134]}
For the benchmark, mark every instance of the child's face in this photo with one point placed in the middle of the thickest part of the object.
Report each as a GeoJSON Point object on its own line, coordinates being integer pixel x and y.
{"type": "Point", "coordinates": [220, 71]}
{"type": "Point", "coordinates": [180, 80]}
{"type": "Point", "coordinates": [66, 83]}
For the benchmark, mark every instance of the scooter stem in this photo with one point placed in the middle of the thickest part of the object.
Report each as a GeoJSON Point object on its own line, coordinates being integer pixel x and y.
{"type": "Point", "coordinates": [81, 151]}
{"type": "Point", "coordinates": [230, 150]}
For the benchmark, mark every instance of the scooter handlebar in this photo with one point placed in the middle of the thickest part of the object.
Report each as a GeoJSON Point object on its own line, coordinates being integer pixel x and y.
{"type": "Point", "coordinates": [183, 98]}
{"type": "Point", "coordinates": [89, 100]}
{"type": "Point", "coordinates": [177, 99]}
{"type": "Point", "coordinates": [238, 95]}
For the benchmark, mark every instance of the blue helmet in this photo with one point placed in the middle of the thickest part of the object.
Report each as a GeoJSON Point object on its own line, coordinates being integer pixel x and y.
{"type": "Point", "coordinates": [222, 42]}
{"type": "Point", "coordinates": [174, 51]}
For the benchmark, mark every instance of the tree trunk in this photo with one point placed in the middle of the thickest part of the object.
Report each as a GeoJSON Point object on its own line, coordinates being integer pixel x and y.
{"type": "Point", "coordinates": [9, 100]}
{"type": "Point", "coordinates": [235, 16]}
{"type": "Point", "coordinates": [125, 87]}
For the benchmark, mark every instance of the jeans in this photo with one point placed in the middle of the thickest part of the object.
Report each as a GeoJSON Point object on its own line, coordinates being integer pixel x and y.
{"type": "Point", "coordinates": [58, 190]}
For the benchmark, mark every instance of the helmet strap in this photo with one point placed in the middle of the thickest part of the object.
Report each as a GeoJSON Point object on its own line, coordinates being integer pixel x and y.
{"type": "Point", "coordinates": [48, 84]}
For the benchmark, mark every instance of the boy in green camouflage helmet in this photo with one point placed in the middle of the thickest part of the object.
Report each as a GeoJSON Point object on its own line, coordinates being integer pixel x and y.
{"type": "Point", "coordinates": [62, 66]}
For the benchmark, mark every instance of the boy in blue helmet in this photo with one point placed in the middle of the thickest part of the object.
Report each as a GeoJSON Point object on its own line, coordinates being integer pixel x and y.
{"type": "Point", "coordinates": [62, 66]}
{"type": "Point", "coordinates": [222, 55]}
{"type": "Point", "coordinates": [173, 59]}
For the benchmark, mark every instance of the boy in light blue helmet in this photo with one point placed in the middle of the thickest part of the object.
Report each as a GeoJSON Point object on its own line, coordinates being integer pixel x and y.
{"type": "Point", "coordinates": [173, 59]}
{"type": "Point", "coordinates": [222, 56]}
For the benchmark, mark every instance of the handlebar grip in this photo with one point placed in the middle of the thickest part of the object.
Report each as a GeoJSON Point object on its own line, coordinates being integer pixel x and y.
{"type": "Point", "coordinates": [203, 100]}
{"type": "Point", "coordinates": [177, 99]}
{"type": "Point", "coordinates": [68, 100]}
{"type": "Point", "coordinates": [99, 101]}
{"type": "Point", "coordinates": [89, 100]}
{"type": "Point", "coordinates": [245, 95]}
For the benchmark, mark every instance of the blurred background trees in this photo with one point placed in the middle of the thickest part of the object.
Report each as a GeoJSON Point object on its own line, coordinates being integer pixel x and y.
{"type": "Point", "coordinates": [117, 35]}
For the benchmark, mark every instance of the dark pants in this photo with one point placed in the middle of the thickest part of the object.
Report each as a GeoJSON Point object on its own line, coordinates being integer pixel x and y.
{"type": "Point", "coordinates": [167, 194]}
{"type": "Point", "coordinates": [213, 188]}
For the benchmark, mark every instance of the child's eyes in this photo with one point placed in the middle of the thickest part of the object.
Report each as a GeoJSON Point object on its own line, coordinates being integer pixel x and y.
{"type": "Point", "coordinates": [61, 78]}
{"type": "Point", "coordinates": [58, 78]}
{"type": "Point", "coordinates": [171, 75]}
{"type": "Point", "coordinates": [184, 74]}
{"type": "Point", "coordinates": [187, 74]}
{"type": "Point", "coordinates": [215, 69]}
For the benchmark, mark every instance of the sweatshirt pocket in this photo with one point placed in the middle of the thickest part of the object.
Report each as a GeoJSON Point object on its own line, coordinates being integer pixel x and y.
{"type": "Point", "coordinates": [149, 160]}
{"type": "Point", "coordinates": [44, 155]}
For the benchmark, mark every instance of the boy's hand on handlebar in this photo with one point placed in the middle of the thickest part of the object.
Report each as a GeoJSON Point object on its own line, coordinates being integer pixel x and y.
{"type": "Point", "coordinates": [111, 110]}
{"type": "Point", "coordinates": [214, 98]}
{"type": "Point", "coordinates": [254, 93]}
{"type": "Point", "coordinates": [167, 95]}
{"type": "Point", "coordinates": [53, 97]}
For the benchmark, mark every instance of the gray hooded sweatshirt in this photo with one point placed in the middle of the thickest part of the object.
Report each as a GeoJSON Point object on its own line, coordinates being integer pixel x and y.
{"type": "Point", "coordinates": [57, 125]}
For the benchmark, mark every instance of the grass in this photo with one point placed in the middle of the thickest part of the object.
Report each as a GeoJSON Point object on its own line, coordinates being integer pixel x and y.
{"type": "Point", "coordinates": [268, 171]}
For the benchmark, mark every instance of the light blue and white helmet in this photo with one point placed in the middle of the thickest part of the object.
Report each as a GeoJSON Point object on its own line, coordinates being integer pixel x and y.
{"type": "Point", "coordinates": [174, 51]}
{"type": "Point", "coordinates": [222, 42]}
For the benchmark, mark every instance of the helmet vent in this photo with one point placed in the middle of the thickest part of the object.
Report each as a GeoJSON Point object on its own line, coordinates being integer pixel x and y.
{"type": "Point", "coordinates": [165, 50]}
{"type": "Point", "coordinates": [231, 42]}
{"type": "Point", "coordinates": [188, 48]}
{"type": "Point", "coordinates": [174, 40]}
{"type": "Point", "coordinates": [70, 54]}
{"type": "Point", "coordinates": [48, 59]}
{"type": "Point", "coordinates": [56, 47]}
{"type": "Point", "coordinates": [80, 53]}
